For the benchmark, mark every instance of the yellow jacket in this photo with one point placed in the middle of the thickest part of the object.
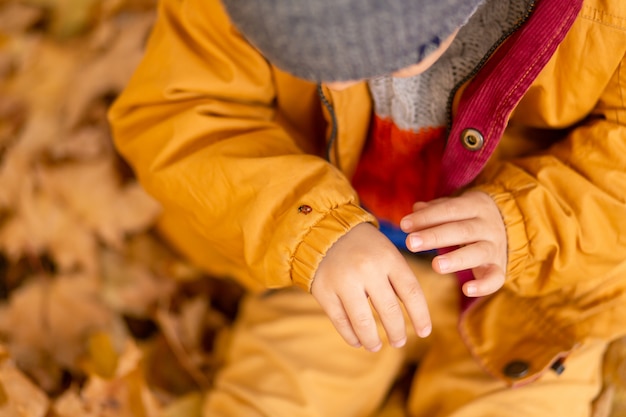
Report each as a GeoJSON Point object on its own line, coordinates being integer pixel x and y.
{"type": "Point", "coordinates": [234, 150]}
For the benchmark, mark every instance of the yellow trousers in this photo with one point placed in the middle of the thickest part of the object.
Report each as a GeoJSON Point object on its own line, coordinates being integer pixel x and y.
{"type": "Point", "coordinates": [286, 360]}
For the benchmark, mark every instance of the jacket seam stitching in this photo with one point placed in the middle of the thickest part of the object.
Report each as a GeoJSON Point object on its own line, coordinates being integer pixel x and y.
{"type": "Point", "coordinates": [620, 69]}
{"type": "Point", "coordinates": [514, 89]}
{"type": "Point", "coordinates": [592, 13]}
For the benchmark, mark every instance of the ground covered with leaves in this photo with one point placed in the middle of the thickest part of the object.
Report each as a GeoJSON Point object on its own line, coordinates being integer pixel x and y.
{"type": "Point", "coordinates": [97, 316]}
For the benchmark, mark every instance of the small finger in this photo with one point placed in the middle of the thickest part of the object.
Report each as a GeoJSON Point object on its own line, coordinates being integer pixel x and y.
{"type": "Point", "coordinates": [465, 257]}
{"type": "Point", "coordinates": [362, 321]}
{"type": "Point", "coordinates": [339, 318]}
{"type": "Point", "coordinates": [410, 292]}
{"type": "Point", "coordinates": [446, 235]}
{"type": "Point", "coordinates": [442, 210]}
{"type": "Point", "coordinates": [424, 214]}
{"type": "Point", "coordinates": [390, 313]}
{"type": "Point", "coordinates": [489, 279]}
{"type": "Point", "coordinates": [419, 205]}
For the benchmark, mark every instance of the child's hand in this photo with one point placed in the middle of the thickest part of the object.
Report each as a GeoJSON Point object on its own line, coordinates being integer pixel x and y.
{"type": "Point", "coordinates": [472, 221]}
{"type": "Point", "coordinates": [364, 263]}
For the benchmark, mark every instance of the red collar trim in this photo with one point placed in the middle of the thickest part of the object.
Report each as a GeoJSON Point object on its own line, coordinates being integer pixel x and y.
{"type": "Point", "coordinates": [491, 96]}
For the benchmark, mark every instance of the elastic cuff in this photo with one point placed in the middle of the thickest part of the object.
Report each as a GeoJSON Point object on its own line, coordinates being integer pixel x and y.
{"type": "Point", "coordinates": [517, 238]}
{"type": "Point", "coordinates": [321, 237]}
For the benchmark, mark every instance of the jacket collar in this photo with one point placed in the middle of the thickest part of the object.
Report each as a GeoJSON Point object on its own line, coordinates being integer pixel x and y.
{"type": "Point", "coordinates": [491, 96]}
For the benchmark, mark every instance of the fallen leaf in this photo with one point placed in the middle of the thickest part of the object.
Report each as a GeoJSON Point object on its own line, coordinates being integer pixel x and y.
{"type": "Point", "coordinates": [39, 224]}
{"type": "Point", "coordinates": [103, 357]}
{"type": "Point", "coordinates": [70, 404]}
{"type": "Point", "coordinates": [131, 288]}
{"type": "Point", "coordinates": [189, 405]}
{"type": "Point", "coordinates": [110, 70]}
{"type": "Point", "coordinates": [68, 17]}
{"type": "Point", "coordinates": [48, 322]}
{"type": "Point", "coordinates": [21, 396]}
{"type": "Point", "coordinates": [17, 17]}
{"type": "Point", "coordinates": [190, 359]}
{"type": "Point", "coordinates": [111, 210]}
{"type": "Point", "coordinates": [126, 394]}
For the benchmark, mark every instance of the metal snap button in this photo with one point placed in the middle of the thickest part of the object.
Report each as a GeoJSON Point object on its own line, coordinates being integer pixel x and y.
{"type": "Point", "coordinates": [516, 369]}
{"type": "Point", "coordinates": [472, 139]}
{"type": "Point", "coordinates": [558, 367]}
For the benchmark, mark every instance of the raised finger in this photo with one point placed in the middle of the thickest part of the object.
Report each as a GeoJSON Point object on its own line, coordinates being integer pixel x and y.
{"type": "Point", "coordinates": [446, 235]}
{"type": "Point", "coordinates": [465, 257]}
{"type": "Point", "coordinates": [437, 212]}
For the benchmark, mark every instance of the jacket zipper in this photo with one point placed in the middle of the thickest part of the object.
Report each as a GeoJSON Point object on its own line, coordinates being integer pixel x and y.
{"type": "Point", "coordinates": [482, 62]}
{"type": "Point", "coordinates": [333, 120]}
{"type": "Point", "coordinates": [331, 110]}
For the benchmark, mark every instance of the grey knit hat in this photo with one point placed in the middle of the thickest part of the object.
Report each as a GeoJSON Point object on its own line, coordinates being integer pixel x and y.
{"type": "Point", "coordinates": [336, 40]}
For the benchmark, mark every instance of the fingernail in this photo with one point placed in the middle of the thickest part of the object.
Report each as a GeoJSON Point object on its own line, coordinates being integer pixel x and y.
{"type": "Point", "coordinates": [415, 242]}
{"type": "Point", "coordinates": [425, 331]}
{"type": "Point", "coordinates": [399, 343]}
{"type": "Point", "coordinates": [406, 224]}
{"type": "Point", "coordinates": [444, 264]}
{"type": "Point", "coordinates": [376, 348]}
{"type": "Point", "coordinates": [471, 290]}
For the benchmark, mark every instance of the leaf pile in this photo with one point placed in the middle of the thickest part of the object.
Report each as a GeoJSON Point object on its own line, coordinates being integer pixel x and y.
{"type": "Point", "coordinates": [97, 316]}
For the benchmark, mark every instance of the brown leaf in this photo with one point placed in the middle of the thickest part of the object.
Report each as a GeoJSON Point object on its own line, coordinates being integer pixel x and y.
{"type": "Point", "coordinates": [70, 404]}
{"type": "Point", "coordinates": [110, 70]}
{"type": "Point", "coordinates": [131, 288]}
{"type": "Point", "coordinates": [22, 397]}
{"type": "Point", "coordinates": [187, 406]}
{"type": "Point", "coordinates": [93, 193]}
{"type": "Point", "coordinates": [83, 144]}
{"type": "Point", "coordinates": [615, 376]}
{"type": "Point", "coordinates": [40, 224]}
{"type": "Point", "coordinates": [190, 359]}
{"type": "Point", "coordinates": [17, 17]}
{"type": "Point", "coordinates": [48, 323]}
{"type": "Point", "coordinates": [13, 113]}
{"type": "Point", "coordinates": [124, 395]}
{"type": "Point", "coordinates": [68, 17]}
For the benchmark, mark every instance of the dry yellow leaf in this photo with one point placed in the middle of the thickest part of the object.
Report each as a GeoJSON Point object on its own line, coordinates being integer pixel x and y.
{"type": "Point", "coordinates": [103, 355]}
{"type": "Point", "coordinates": [62, 195]}
{"type": "Point", "coordinates": [124, 395]}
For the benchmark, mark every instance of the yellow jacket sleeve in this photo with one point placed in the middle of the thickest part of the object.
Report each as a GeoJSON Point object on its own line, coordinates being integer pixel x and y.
{"type": "Point", "coordinates": [198, 124]}
{"type": "Point", "coordinates": [565, 206]}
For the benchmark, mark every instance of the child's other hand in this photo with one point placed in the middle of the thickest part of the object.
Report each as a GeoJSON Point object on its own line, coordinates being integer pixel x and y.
{"type": "Point", "coordinates": [364, 264]}
{"type": "Point", "coordinates": [472, 221]}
